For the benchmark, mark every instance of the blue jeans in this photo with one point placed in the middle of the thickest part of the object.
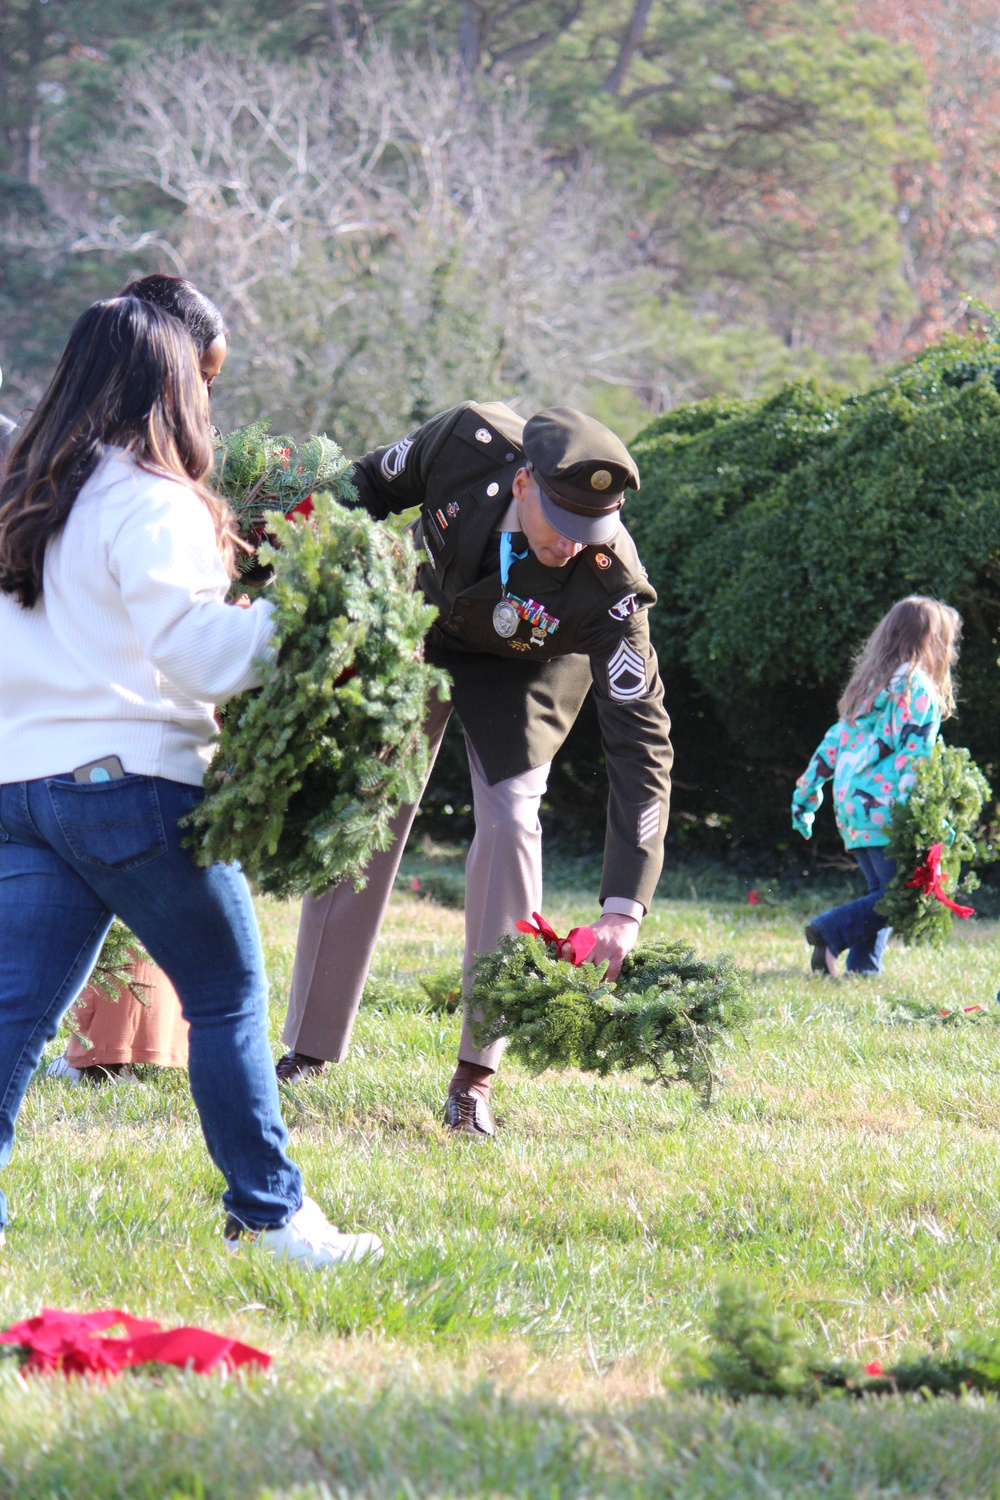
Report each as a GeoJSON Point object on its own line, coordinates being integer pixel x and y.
{"type": "Point", "coordinates": [857, 925]}
{"type": "Point", "coordinates": [71, 854]}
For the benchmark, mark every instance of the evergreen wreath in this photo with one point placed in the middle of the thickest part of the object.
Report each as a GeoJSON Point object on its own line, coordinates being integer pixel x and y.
{"type": "Point", "coordinates": [258, 473]}
{"type": "Point", "coordinates": [756, 1350]}
{"type": "Point", "coordinates": [667, 1012]}
{"type": "Point", "coordinates": [942, 813]}
{"type": "Point", "coordinates": [310, 769]}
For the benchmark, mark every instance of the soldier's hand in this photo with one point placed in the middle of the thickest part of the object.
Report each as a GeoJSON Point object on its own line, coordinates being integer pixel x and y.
{"type": "Point", "coordinates": [616, 935]}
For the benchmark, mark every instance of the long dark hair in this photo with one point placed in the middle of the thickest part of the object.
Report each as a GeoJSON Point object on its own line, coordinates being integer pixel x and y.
{"type": "Point", "coordinates": [128, 378]}
{"type": "Point", "coordinates": [182, 300]}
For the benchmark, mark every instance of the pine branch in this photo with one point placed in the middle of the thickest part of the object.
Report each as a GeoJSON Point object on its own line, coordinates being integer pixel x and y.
{"type": "Point", "coordinates": [114, 970]}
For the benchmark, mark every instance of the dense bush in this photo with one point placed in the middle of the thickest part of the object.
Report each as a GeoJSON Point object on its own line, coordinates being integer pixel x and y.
{"type": "Point", "coordinates": [777, 533]}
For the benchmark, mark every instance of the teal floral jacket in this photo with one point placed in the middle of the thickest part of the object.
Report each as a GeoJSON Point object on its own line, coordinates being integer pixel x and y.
{"type": "Point", "coordinates": [871, 761]}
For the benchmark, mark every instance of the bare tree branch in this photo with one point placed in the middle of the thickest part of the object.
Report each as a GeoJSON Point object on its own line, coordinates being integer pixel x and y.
{"type": "Point", "coordinates": [365, 229]}
{"type": "Point", "coordinates": [335, 17]}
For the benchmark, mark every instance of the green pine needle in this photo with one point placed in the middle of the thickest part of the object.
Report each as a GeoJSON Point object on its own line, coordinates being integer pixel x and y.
{"type": "Point", "coordinates": [258, 473]}
{"type": "Point", "coordinates": [113, 971]}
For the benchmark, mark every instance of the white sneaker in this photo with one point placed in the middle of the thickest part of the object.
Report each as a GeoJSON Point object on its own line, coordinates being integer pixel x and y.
{"type": "Point", "coordinates": [308, 1236]}
{"type": "Point", "coordinates": [60, 1068]}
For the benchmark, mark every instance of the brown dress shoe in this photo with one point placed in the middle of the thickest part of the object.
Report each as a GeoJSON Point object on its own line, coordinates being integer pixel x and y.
{"type": "Point", "coordinates": [468, 1114]}
{"type": "Point", "coordinates": [296, 1065]}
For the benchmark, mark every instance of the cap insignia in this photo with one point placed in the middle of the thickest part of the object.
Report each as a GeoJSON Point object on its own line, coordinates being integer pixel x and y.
{"type": "Point", "coordinates": [484, 435]}
{"type": "Point", "coordinates": [600, 480]}
{"type": "Point", "coordinates": [602, 560]}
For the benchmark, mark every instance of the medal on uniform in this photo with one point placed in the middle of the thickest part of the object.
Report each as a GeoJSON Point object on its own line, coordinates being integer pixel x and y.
{"type": "Point", "coordinates": [506, 615]}
{"type": "Point", "coordinates": [505, 619]}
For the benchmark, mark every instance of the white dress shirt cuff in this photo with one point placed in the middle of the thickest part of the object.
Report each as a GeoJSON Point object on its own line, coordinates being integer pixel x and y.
{"type": "Point", "coordinates": [621, 906]}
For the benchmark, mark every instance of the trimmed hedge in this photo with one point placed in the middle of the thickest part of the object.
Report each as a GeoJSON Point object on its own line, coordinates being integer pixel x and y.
{"type": "Point", "coordinates": [777, 533]}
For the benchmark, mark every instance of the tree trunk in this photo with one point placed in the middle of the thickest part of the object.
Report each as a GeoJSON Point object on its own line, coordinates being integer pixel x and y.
{"type": "Point", "coordinates": [336, 19]}
{"type": "Point", "coordinates": [470, 37]}
{"type": "Point", "coordinates": [629, 46]}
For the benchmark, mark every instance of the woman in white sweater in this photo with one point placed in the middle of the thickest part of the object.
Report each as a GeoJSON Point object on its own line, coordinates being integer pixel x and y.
{"type": "Point", "coordinates": [115, 560]}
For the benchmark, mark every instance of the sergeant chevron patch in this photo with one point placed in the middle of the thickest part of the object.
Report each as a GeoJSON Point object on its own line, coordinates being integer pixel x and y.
{"type": "Point", "coordinates": [626, 674]}
{"type": "Point", "coordinates": [394, 458]}
{"type": "Point", "coordinates": [648, 826]}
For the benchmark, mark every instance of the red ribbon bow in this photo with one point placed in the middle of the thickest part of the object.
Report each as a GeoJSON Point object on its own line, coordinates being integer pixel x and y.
{"type": "Point", "coordinates": [929, 880]}
{"type": "Point", "coordinates": [66, 1341]}
{"type": "Point", "coordinates": [575, 948]}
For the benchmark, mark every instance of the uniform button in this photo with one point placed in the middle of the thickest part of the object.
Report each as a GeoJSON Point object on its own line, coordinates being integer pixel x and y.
{"type": "Point", "coordinates": [510, 458]}
{"type": "Point", "coordinates": [492, 489]}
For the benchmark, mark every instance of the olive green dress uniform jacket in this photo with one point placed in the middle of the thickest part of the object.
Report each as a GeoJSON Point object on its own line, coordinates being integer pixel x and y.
{"type": "Point", "coordinates": [518, 698]}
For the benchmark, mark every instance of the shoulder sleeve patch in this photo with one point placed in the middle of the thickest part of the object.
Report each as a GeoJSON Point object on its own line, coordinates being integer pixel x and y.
{"type": "Point", "coordinates": [626, 674]}
{"type": "Point", "coordinates": [394, 458]}
{"type": "Point", "coordinates": [626, 606]}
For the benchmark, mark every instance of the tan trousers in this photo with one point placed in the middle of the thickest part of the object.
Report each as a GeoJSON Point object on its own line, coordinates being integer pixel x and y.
{"type": "Point", "coordinates": [338, 931]}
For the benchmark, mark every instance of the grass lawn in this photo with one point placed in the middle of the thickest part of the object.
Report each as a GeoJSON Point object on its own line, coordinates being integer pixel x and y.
{"type": "Point", "coordinates": [521, 1336]}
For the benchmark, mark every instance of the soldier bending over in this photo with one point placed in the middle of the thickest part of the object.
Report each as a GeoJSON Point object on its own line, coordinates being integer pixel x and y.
{"type": "Point", "coordinates": [541, 597]}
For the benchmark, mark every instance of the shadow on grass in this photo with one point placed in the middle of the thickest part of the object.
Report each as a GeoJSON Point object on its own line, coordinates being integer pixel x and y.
{"type": "Point", "coordinates": [175, 1436]}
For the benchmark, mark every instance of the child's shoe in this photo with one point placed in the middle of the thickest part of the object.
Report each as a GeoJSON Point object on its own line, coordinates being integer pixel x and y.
{"type": "Point", "coordinates": [822, 961]}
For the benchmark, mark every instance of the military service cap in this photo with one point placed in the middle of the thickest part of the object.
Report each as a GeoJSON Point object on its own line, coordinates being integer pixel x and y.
{"type": "Point", "coordinates": [582, 471]}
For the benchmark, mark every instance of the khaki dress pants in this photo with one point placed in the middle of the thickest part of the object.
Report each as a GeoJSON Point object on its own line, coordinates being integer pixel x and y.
{"type": "Point", "coordinates": [338, 931]}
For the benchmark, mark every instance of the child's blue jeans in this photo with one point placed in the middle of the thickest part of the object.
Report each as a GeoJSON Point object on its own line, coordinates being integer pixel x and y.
{"type": "Point", "coordinates": [857, 925]}
{"type": "Point", "coordinates": [71, 853]}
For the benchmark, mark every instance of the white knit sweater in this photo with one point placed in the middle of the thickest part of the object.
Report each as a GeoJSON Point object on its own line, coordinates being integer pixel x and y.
{"type": "Point", "coordinates": [131, 644]}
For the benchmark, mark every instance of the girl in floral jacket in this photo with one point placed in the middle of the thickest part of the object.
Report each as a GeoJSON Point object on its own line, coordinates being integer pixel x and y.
{"type": "Point", "coordinates": [890, 715]}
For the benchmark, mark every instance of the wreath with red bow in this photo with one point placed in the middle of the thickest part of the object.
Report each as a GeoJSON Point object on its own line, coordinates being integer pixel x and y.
{"type": "Point", "coordinates": [934, 834]}
{"type": "Point", "coordinates": [668, 1013]}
